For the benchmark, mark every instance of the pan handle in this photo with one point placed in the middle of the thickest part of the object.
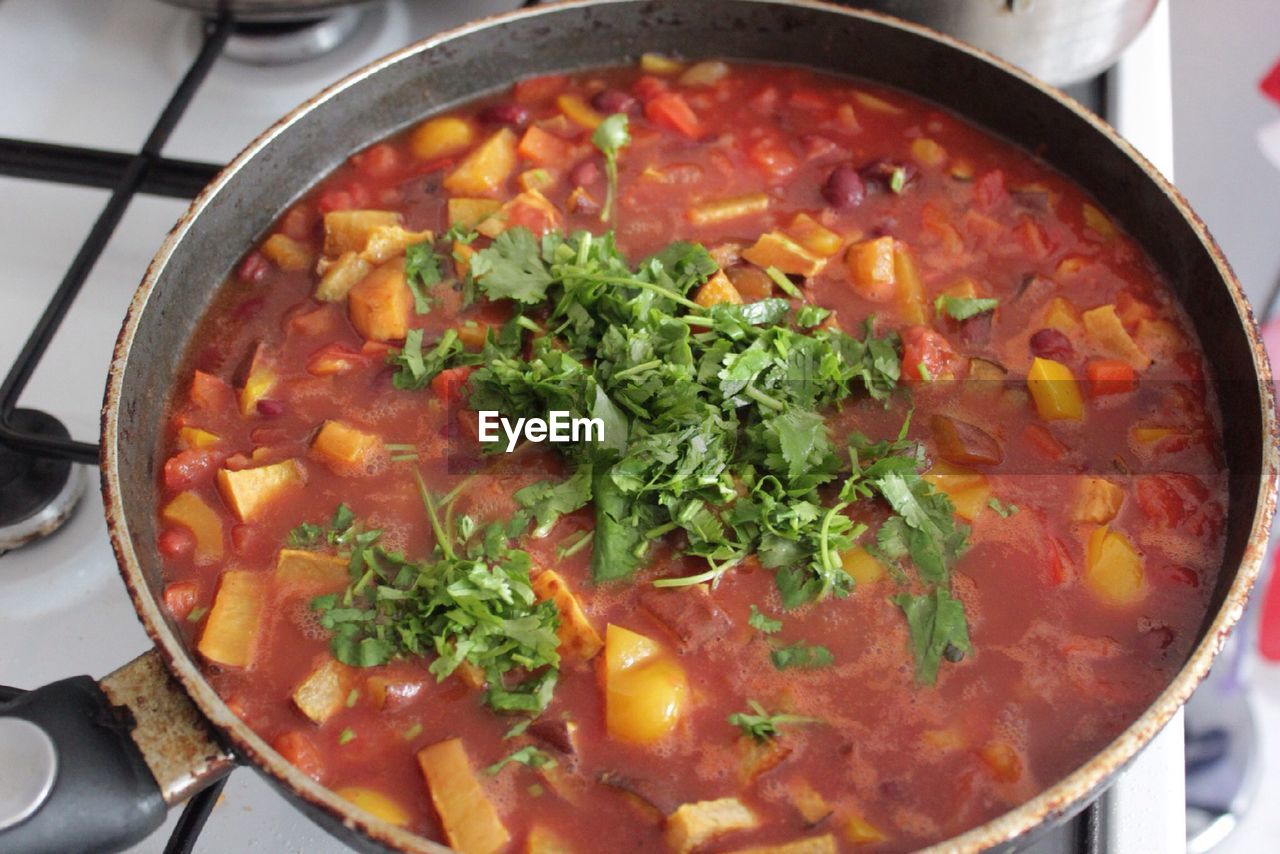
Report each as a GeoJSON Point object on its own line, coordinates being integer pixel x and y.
{"type": "Point", "coordinates": [94, 766]}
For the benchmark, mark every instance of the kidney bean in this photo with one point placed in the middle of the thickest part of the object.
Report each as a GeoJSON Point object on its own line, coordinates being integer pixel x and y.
{"type": "Point", "coordinates": [270, 408]}
{"type": "Point", "coordinates": [253, 269]}
{"type": "Point", "coordinates": [585, 173]}
{"type": "Point", "coordinates": [1051, 344]}
{"type": "Point", "coordinates": [976, 330]}
{"type": "Point", "coordinates": [505, 114]}
{"type": "Point", "coordinates": [844, 188]}
{"type": "Point", "coordinates": [611, 101]}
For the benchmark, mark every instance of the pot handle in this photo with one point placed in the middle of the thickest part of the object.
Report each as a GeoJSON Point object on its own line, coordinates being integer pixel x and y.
{"type": "Point", "coordinates": [94, 766]}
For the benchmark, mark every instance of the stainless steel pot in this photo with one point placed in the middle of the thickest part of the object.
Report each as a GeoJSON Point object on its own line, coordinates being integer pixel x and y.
{"type": "Point", "coordinates": [1060, 41]}
{"type": "Point", "coordinates": [159, 720]}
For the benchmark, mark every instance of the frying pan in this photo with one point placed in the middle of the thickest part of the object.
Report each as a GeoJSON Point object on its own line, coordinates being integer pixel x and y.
{"type": "Point", "coordinates": [154, 732]}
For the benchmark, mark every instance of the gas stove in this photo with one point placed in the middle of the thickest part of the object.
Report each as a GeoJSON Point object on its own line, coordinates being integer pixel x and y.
{"type": "Point", "coordinates": [97, 76]}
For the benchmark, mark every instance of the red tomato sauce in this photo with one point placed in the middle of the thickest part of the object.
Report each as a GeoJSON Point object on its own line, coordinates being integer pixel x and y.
{"type": "Point", "coordinates": [1058, 669]}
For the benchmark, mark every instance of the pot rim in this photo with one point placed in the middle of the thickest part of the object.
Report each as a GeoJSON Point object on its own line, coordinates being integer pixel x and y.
{"type": "Point", "coordinates": [1054, 803]}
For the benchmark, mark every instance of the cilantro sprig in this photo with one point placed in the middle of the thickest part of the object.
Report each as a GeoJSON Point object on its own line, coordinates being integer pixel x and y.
{"type": "Point", "coordinates": [762, 726]}
{"type": "Point", "coordinates": [611, 136]}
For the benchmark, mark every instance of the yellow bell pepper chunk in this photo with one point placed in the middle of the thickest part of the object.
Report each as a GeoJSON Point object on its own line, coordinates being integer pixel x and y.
{"type": "Point", "coordinates": [436, 138]}
{"type": "Point", "coordinates": [258, 383]}
{"type": "Point", "coordinates": [927, 152]}
{"type": "Point", "coordinates": [1151, 435]}
{"type": "Point", "coordinates": [814, 236]}
{"type": "Point", "coordinates": [194, 437]}
{"type": "Point", "coordinates": [191, 512]}
{"type": "Point", "coordinates": [375, 803]}
{"type": "Point", "coordinates": [1054, 390]}
{"type": "Point", "coordinates": [656, 63]}
{"type": "Point", "coordinates": [723, 210]}
{"type": "Point", "coordinates": [861, 566]}
{"type": "Point", "coordinates": [968, 490]}
{"type": "Point", "coordinates": [1097, 222]}
{"type": "Point", "coordinates": [578, 111]}
{"type": "Point", "coordinates": [486, 168]}
{"type": "Point", "coordinates": [1113, 568]}
{"type": "Point", "coordinates": [646, 690]}
{"type": "Point", "coordinates": [231, 631]}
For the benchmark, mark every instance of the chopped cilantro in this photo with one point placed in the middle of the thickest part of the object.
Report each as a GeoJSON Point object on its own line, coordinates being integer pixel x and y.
{"type": "Point", "coordinates": [803, 656]}
{"type": "Point", "coordinates": [197, 613]}
{"type": "Point", "coordinates": [528, 755]}
{"type": "Point", "coordinates": [763, 726]}
{"type": "Point", "coordinates": [421, 270]}
{"type": "Point", "coordinates": [938, 630]}
{"type": "Point", "coordinates": [346, 736]}
{"type": "Point", "coordinates": [611, 136]}
{"type": "Point", "coordinates": [763, 623]}
{"type": "Point", "coordinates": [963, 308]}
{"type": "Point", "coordinates": [1005, 510]}
{"type": "Point", "coordinates": [898, 180]}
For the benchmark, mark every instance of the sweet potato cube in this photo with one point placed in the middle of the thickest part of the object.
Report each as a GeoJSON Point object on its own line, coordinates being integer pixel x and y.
{"type": "Point", "coordinates": [824, 844]}
{"type": "Point", "coordinates": [1148, 435]}
{"type": "Point", "coordinates": [191, 512]}
{"type": "Point", "coordinates": [1097, 500]}
{"type": "Point", "coordinates": [1108, 334]}
{"type": "Point", "coordinates": [468, 213]}
{"type": "Point", "coordinates": [324, 693]}
{"type": "Point", "coordinates": [209, 393]}
{"type": "Point", "coordinates": [258, 382]}
{"type": "Point", "coordinates": [1113, 568]}
{"type": "Point", "coordinates": [310, 569]}
{"type": "Point", "coordinates": [774, 249]}
{"type": "Point", "coordinates": [337, 278]}
{"type": "Point", "coordinates": [927, 152]}
{"type": "Point", "coordinates": [718, 290]}
{"type": "Point", "coordinates": [910, 287]}
{"type": "Point", "coordinates": [544, 840]}
{"type": "Point", "coordinates": [543, 148]}
{"type": "Point", "coordinates": [231, 630]}
{"type": "Point", "coordinates": [375, 803]}
{"type": "Point", "coordinates": [486, 168]}
{"type": "Point", "coordinates": [859, 831]}
{"type": "Point", "coordinates": [438, 137]}
{"type": "Point", "coordinates": [194, 437]}
{"type": "Point", "coordinates": [349, 231]}
{"type": "Point", "coordinates": [1002, 759]}
{"type": "Point", "coordinates": [808, 801]}
{"type": "Point", "coordinates": [695, 824]}
{"type": "Point", "coordinates": [347, 446]}
{"type": "Point", "coordinates": [1062, 316]}
{"type": "Point", "coordinates": [578, 111]}
{"type": "Point", "coordinates": [381, 304]}
{"type": "Point", "coordinates": [723, 210]}
{"type": "Point", "coordinates": [1054, 389]}
{"type": "Point", "coordinates": [286, 253]}
{"type": "Point", "coordinates": [390, 241]}
{"type": "Point", "coordinates": [470, 822]}
{"type": "Point", "coordinates": [871, 269]}
{"type": "Point", "coordinates": [814, 236]}
{"type": "Point", "coordinates": [578, 638]}
{"type": "Point", "coordinates": [248, 491]}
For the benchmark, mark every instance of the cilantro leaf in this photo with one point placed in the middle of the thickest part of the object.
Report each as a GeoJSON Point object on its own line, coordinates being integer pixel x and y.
{"type": "Point", "coordinates": [549, 501]}
{"type": "Point", "coordinates": [421, 270]}
{"type": "Point", "coordinates": [938, 630]}
{"type": "Point", "coordinates": [762, 726]}
{"type": "Point", "coordinates": [528, 755]}
{"type": "Point", "coordinates": [512, 267]}
{"type": "Point", "coordinates": [611, 136]}
{"type": "Point", "coordinates": [801, 655]}
{"type": "Point", "coordinates": [963, 308]}
{"type": "Point", "coordinates": [762, 623]}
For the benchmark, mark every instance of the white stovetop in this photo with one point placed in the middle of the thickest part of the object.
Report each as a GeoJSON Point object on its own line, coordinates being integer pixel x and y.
{"type": "Point", "coordinates": [96, 74]}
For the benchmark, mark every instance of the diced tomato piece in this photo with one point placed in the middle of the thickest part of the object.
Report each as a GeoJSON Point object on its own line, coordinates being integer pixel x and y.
{"type": "Point", "coordinates": [1270, 86]}
{"type": "Point", "coordinates": [379, 161]}
{"type": "Point", "coordinates": [1170, 500]}
{"type": "Point", "coordinates": [1110, 376]}
{"type": "Point", "coordinates": [808, 99]}
{"type": "Point", "coordinates": [649, 87]}
{"type": "Point", "coordinates": [189, 469]}
{"type": "Point", "coordinates": [175, 542]}
{"type": "Point", "coordinates": [210, 393]}
{"type": "Point", "coordinates": [671, 110]}
{"type": "Point", "coordinates": [1057, 562]}
{"type": "Point", "coordinates": [989, 192]}
{"type": "Point", "coordinates": [299, 221]}
{"type": "Point", "coordinates": [313, 323]}
{"type": "Point", "coordinates": [923, 346]}
{"type": "Point", "coordinates": [253, 269]}
{"type": "Point", "coordinates": [1044, 442]}
{"type": "Point", "coordinates": [535, 90]}
{"type": "Point", "coordinates": [1033, 239]}
{"type": "Point", "coordinates": [301, 752]}
{"type": "Point", "coordinates": [448, 385]}
{"type": "Point", "coordinates": [766, 100]}
{"type": "Point", "coordinates": [377, 350]}
{"type": "Point", "coordinates": [180, 597]}
{"type": "Point", "coordinates": [1130, 309]}
{"type": "Point", "coordinates": [335, 200]}
{"type": "Point", "coordinates": [773, 156]}
{"type": "Point", "coordinates": [544, 148]}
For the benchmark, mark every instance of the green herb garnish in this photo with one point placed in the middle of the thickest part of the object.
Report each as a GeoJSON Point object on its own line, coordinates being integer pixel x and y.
{"type": "Point", "coordinates": [938, 630]}
{"type": "Point", "coordinates": [421, 271]}
{"type": "Point", "coordinates": [528, 755]}
{"type": "Point", "coordinates": [963, 308]}
{"type": "Point", "coordinates": [763, 726]}
{"type": "Point", "coordinates": [803, 656]}
{"type": "Point", "coordinates": [611, 136]}
{"type": "Point", "coordinates": [346, 736]}
{"type": "Point", "coordinates": [763, 623]}
{"type": "Point", "coordinates": [1005, 510]}
{"type": "Point", "coordinates": [197, 613]}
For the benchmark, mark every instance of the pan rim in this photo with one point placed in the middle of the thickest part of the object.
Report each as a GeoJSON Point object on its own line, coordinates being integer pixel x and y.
{"type": "Point", "coordinates": [1051, 805]}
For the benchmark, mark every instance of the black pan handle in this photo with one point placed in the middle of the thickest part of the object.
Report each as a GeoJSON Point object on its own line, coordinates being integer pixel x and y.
{"type": "Point", "coordinates": [94, 766]}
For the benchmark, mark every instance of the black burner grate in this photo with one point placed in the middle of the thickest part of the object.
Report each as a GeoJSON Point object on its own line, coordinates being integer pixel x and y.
{"type": "Point", "coordinates": [149, 172]}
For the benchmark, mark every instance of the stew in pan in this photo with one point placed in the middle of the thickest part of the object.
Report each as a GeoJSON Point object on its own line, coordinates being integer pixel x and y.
{"type": "Point", "coordinates": [715, 457]}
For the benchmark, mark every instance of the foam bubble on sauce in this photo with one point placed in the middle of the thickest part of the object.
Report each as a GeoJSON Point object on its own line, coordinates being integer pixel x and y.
{"type": "Point", "coordinates": [307, 620]}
